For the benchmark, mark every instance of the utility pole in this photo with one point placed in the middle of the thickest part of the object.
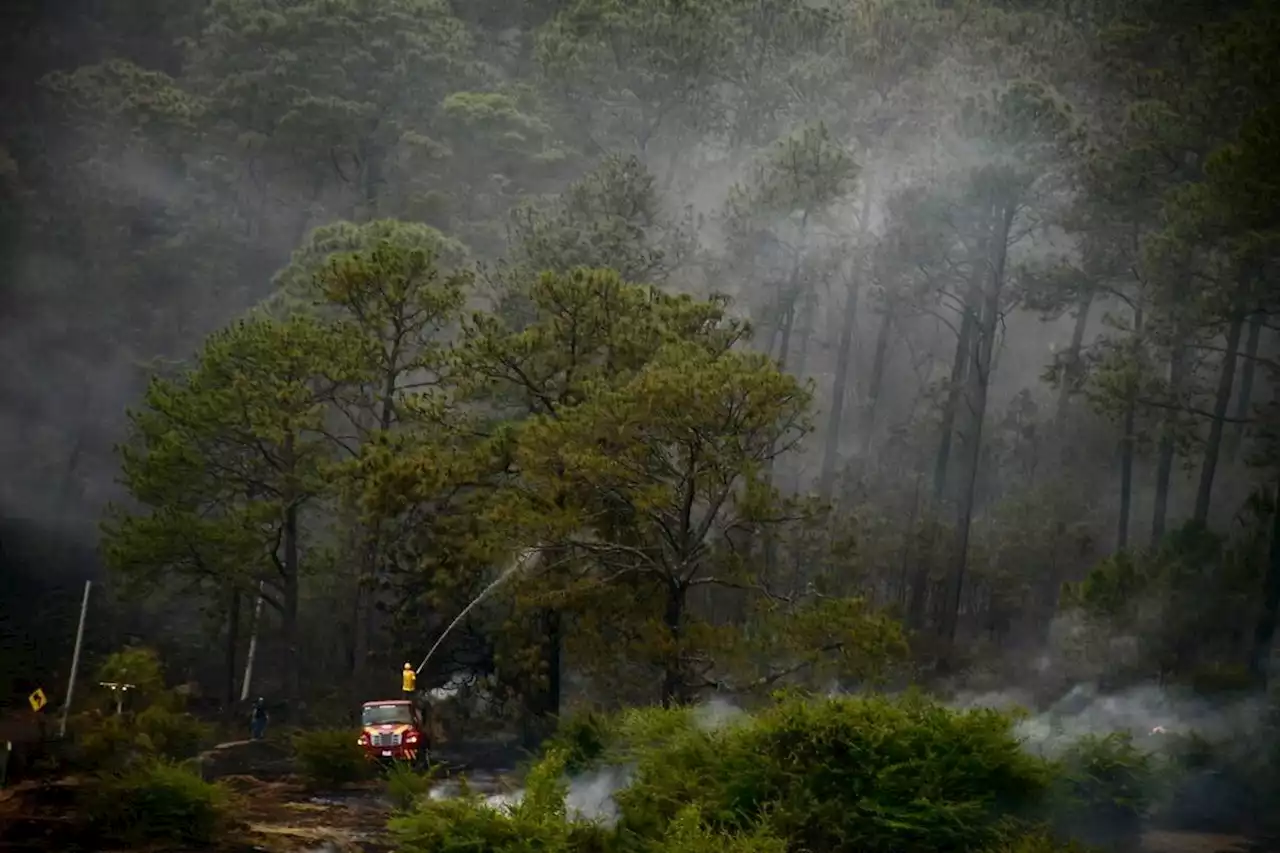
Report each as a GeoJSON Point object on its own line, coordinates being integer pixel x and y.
{"type": "Point", "coordinates": [75, 661]}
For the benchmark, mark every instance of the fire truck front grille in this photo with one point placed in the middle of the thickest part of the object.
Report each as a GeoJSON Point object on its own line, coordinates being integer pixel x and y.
{"type": "Point", "coordinates": [386, 739]}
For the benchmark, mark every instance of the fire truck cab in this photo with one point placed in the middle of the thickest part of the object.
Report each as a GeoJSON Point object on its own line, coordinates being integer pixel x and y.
{"type": "Point", "coordinates": [393, 730]}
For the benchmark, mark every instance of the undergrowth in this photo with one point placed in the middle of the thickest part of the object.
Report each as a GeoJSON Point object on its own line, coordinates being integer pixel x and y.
{"type": "Point", "coordinates": [105, 742]}
{"type": "Point", "coordinates": [330, 757]}
{"type": "Point", "coordinates": [406, 785]}
{"type": "Point", "coordinates": [837, 775]}
{"type": "Point", "coordinates": [844, 775]}
{"type": "Point", "coordinates": [154, 800]}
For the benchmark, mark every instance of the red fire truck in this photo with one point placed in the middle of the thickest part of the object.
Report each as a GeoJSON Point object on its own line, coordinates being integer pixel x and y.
{"type": "Point", "coordinates": [393, 730]}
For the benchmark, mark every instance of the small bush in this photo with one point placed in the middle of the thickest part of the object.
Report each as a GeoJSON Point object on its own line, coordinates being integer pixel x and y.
{"type": "Point", "coordinates": [1104, 790]}
{"type": "Point", "coordinates": [405, 785]}
{"type": "Point", "coordinates": [102, 743]}
{"type": "Point", "coordinates": [690, 833]}
{"type": "Point", "coordinates": [330, 757]}
{"type": "Point", "coordinates": [157, 800]}
{"type": "Point", "coordinates": [467, 824]}
{"type": "Point", "coordinates": [170, 734]}
{"type": "Point", "coordinates": [584, 738]}
{"type": "Point", "coordinates": [112, 742]}
{"type": "Point", "coordinates": [536, 823]}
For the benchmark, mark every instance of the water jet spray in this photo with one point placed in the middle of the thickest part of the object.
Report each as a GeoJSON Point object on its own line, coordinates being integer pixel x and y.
{"type": "Point", "coordinates": [522, 560]}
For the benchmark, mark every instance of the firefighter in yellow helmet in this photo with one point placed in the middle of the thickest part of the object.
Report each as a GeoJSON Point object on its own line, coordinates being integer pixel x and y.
{"type": "Point", "coordinates": [410, 681]}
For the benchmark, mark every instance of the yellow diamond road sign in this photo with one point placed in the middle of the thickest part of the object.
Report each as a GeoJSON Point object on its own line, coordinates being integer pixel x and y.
{"type": "Point", "coordinates": [37, 699]}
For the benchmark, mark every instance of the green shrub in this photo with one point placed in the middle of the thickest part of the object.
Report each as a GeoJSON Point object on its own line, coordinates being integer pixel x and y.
{"type": "Point", "coordinates": [170, 734]}
{"type": "Point", "coordinates": [142, 668]}
{"type": "Point", "coordinates": [102, 742]}
{"type": "Point", "coordinates": [1103, 791]}
{"type": "Point", "coordinates": [405, 785]}
{"type": "Point", "coordinates": [112, 742]}
{"type": "Point", "coordinates": [331, 757]}
{"type": "Point", "coordinates": [155, 800]}
{"type": "Point", "coordinates": [689, 832]}
{"type": "Point", "coordinates": [584, 738]}
{"type": "Point", "coordinates": [536, 823]}
{"type": "Point", "coordinates": [466, 824]}
{"type": "Point", "coordinates": [849, 774]}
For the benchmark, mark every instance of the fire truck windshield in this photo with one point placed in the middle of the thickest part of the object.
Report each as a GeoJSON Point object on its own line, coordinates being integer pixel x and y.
{"type": "Point", "coordinates": [378, 715]}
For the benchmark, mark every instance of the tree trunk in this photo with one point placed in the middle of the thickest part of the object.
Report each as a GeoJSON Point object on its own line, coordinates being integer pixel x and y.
{"type": "Point", "coordinates": [542, 707]}
{"type": "Point", "coordinates": [1245, 399]}
{"type": "Point", "coordinates": [673, 669]}
{"type": "Point", "coordinates": [555, 644]}
{"type": "Point", "coordinates": [1264, 631]}
{"type": "Point", "coordinates": [979, 381]}
{"type": "Point", "coordinates": [1222, 400]}
{"type": "Point", "coordinates": [804, 331]}
{"type": "Point", "coordinates": [371, 154]}
{"type": "Point", "coordinates": [369, 585]}
{"type": "Point", "coordinates": [1127, 442]}
{"type": "Point", "coordinates": [289, 618]}
{"type": "Point", "coordinates": [770, 541]}
{"type": "Point", "coordinates": [1164, 463]}
{"type": "Point", "coordinates": [831, 447]}
{"type": "Point", "coordinates": [230, 654]}
{"type": "Point", "coordinates": [876, 383]}
{"type": "Point", "coordinates": [1071, 369]}
{"type": "Point", "coordinates": [290, 621]}
{"type": "Point", "coordinates": [784, 342]}
{"type": "Point", "coordinates": [959, 372]}
{"type": "Point", "coordinates": [973, 451]}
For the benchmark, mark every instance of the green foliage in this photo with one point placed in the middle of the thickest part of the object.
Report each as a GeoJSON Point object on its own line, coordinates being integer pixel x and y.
{"type": "Point", "coordinates": [105, 740]}
{"type": "Point", "coordinates": [690, 832]}
{"type": "Point", "coordinates": [1104, 790]}
{"type": "Point", "coordinates": [158, 801]}
{"type": "Point", "coordinates": [170, 734]}
{"type": "Point", "coordinates": [837, 774]}
{"type": "Point", "coordinates": [1181, 601]}
{"type": "Point", "coordinates": [300, 282]}
{"type": "Point", "coordinates": [406, 785]}
{"type": "Point", "coordinates": [845, 774]}
{"type": "Point", "coordinates": [140, 667]}
{"type": "Point", "coordinates": [583, 740]}
{"type": "Point", "coordinates": [537, 822]}
{"type": "Point", "coordinates": [330, 757]}
{"type": "Point", "coordinates": [612, 217]}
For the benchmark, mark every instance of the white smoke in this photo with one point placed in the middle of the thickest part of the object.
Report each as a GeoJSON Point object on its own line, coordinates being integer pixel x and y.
{"type": "Point", "coordinates": [715, 714]}
{"type": "Point", "coordinates": [1147, 712]}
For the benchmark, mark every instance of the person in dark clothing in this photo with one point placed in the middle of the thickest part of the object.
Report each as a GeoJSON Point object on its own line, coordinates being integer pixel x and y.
{"type": "Point", "coordinates": [258, 719]}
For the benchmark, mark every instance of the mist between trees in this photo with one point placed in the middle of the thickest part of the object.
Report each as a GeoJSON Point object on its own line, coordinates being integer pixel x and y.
{"type": "Point", "coordinates": [807, 343]}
